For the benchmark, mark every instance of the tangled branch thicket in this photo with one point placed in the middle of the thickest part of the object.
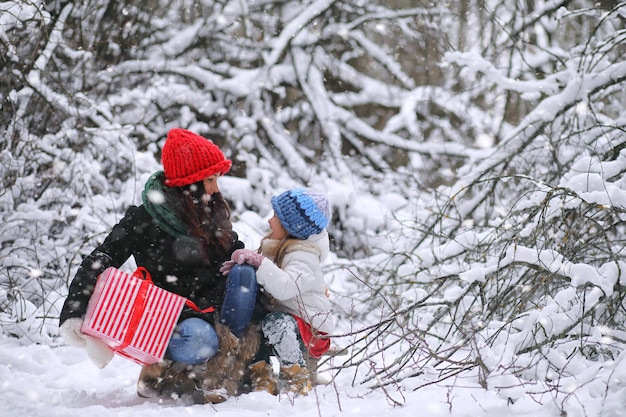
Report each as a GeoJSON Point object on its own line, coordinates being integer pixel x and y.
{"type": "Point", "coordinates": [293, 93]}
{"type": "Point", "coordinates": [517, 275]}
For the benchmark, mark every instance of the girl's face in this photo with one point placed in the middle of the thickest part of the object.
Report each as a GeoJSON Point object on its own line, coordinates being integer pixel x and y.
{"type": "Point", "coordinates": [210, 185]}
{"type": "Point", "coordinates": [278, 232]}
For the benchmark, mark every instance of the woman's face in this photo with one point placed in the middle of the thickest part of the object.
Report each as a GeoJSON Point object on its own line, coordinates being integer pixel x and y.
{"type": "Point", "coordinates": [278, 232]}
{"type": "Point", "coordinates": [210, 185]}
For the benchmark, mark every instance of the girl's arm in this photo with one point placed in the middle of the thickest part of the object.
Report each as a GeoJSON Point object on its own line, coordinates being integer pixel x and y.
{"type": "Point", "coordinates": [296, 277]}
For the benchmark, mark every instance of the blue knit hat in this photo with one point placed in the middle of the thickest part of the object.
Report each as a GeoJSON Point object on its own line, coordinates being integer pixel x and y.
{"type": "Point", "coordinates": [302, 212]}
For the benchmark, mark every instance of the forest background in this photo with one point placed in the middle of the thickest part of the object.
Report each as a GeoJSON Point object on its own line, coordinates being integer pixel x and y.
{"type": "Point", "coordinates": [473, 152]}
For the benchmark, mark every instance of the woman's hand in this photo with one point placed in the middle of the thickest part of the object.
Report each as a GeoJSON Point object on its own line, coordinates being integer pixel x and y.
{"type": "Point", "coordinates": [99, 353]}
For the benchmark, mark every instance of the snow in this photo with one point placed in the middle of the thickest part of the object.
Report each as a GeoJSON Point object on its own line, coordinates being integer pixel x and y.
{"type": "Point", "coordinates": [45, 381]}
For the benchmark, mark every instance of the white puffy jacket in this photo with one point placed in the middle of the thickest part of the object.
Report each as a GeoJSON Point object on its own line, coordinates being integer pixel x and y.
{"type": "Point", "coordinates": [299, 286]}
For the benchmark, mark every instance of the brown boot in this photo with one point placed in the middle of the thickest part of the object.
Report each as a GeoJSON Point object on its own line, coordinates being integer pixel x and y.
{"type": "Point", "coordinates": [296, 379]}
{"type": "Point", "coordinates": [150, 377]}
{"type": "Point", "coordinates": [227, 369]}
{"type": "Point", "coordinates": [210, 397]}
{"type": "Point", "coordinates": [262, 377]}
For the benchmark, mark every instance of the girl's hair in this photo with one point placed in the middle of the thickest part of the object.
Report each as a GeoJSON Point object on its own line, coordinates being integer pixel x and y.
{"type": "Point", "coordinates": [207, 219]}
{"type": "Point", "coordinates": [281, 249]}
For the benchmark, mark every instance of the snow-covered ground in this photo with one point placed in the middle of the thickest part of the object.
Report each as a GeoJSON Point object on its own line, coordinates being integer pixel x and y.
{"type": "Point", "coordinates": [39, 380]}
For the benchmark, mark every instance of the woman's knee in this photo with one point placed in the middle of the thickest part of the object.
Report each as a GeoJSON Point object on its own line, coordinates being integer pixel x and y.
{"type": "Point", "coordinates": [240, 298]}
{"type": "Point", "coordinates": [243, 276]}
{"type": "Point", "coordinates": [194, 341]}
{"type": "Point", "coordinates": [241, 285]}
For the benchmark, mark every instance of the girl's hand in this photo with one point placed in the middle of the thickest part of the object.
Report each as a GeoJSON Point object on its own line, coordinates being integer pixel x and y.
{"type": "Point", "coordinates": [246, 256]}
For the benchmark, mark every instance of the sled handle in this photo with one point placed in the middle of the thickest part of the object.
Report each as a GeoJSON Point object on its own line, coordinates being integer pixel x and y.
{"type": "Point", "coordinates": [142, 273]}
{"type": "Point", "coordinates": [194, 307]}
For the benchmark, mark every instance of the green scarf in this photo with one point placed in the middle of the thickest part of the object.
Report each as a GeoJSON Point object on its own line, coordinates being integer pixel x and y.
{"type": "Point", "coordinates": [159, 205]}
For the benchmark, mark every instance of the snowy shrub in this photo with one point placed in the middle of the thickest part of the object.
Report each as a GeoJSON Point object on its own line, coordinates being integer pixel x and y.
{"type": "Point", "coordinates": [515, 276]}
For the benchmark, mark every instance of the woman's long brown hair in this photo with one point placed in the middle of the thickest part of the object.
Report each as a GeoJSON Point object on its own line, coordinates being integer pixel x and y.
{"type": "Point", "coordinates": [207, 220]}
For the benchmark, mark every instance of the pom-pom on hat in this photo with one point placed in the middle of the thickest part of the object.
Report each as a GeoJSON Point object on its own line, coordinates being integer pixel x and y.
{"type": "Point", "coordinates": [302, 212]}
{"type": "Point", "coordinates": [188, 158]}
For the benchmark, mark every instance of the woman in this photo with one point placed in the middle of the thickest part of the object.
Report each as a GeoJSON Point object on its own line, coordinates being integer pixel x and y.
{"type": "Point", "coordinates": [181, 234]}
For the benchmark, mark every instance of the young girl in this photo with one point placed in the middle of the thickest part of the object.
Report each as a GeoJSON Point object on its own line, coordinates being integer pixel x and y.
{"type": "Point", "coordinates": [289, 271]}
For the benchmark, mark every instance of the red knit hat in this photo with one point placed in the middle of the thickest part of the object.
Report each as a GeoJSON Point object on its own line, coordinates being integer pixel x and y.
{"type": "Point", "coordinates": [188, 158]}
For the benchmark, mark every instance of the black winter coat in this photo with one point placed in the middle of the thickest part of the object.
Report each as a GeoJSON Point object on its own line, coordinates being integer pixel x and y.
{"type": "Point", "coordinates": [174, 264]}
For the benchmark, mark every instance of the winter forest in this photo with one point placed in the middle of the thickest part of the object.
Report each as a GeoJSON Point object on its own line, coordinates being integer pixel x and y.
{"type": "Point", "coordinates": [473, 152]}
